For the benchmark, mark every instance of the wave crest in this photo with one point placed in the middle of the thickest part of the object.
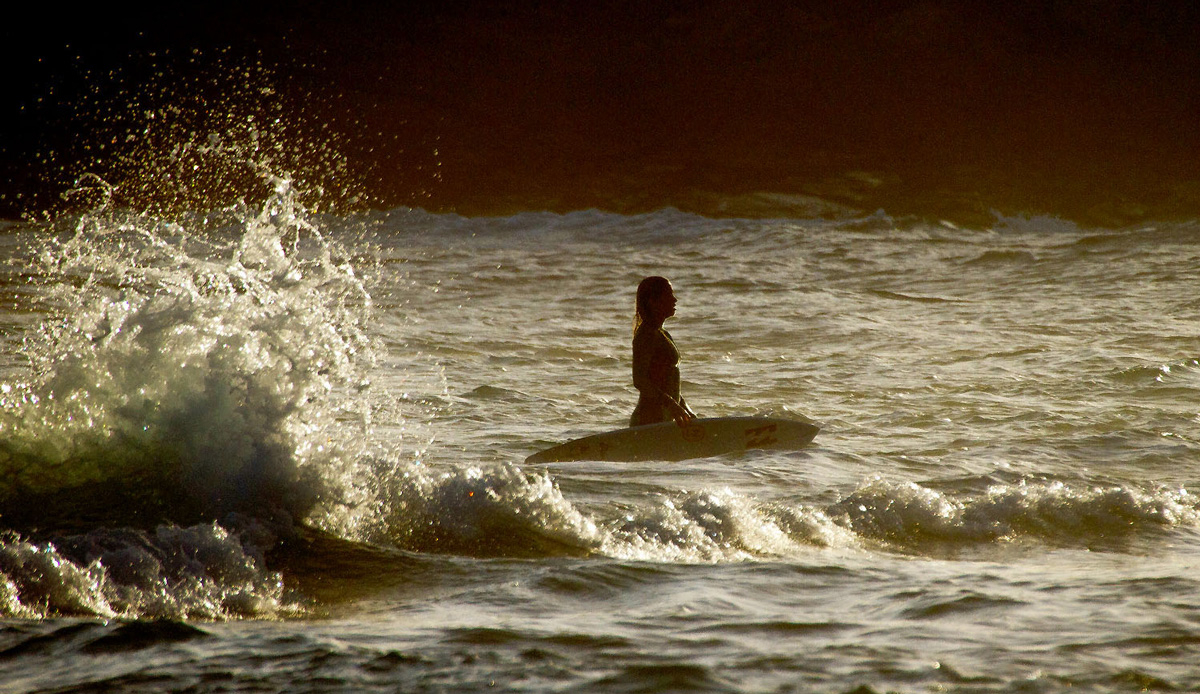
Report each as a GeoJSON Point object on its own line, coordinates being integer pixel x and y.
{"type": "Point", "coordinates": [497, 511]}
{"type": "Point", "coordinates": [197, 572]}
{"type": "Point", "coordinates": [192, 372]}
{"type": "Point", "coordinates": [904, 514]}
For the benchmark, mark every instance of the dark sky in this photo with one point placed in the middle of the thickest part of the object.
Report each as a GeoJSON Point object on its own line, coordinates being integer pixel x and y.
{"type": "Point", "coordinates": [1085, 108]}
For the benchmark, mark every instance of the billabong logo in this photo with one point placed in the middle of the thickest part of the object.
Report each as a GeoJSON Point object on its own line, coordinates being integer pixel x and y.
{"type": "Point", "coordinates": [760, 437]}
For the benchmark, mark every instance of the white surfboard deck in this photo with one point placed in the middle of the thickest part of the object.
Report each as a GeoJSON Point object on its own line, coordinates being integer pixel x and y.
{"type": "Point", "coordinates": [702, 438]}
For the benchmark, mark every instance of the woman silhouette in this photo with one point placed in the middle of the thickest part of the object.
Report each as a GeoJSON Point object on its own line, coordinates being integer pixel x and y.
{"type": "Point", "coordinates": [655, 358]}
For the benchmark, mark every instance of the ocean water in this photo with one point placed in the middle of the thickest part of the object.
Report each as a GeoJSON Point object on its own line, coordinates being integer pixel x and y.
{"type": "Point", "coordinates": [266, 449]}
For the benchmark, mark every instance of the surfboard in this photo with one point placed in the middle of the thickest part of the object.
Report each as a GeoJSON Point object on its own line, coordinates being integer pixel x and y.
{"type": "Point", "coordinates": [701, 438]}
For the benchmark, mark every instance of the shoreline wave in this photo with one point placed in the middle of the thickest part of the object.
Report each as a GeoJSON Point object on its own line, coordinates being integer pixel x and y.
{"type": "Point", "coordinates": [232, 569]}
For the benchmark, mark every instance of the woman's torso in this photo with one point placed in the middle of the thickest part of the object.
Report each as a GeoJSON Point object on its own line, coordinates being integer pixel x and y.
{"type": "Point", "coordinates": [655, 374]}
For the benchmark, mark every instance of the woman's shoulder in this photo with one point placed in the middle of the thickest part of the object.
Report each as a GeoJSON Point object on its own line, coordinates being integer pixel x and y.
{"type": "Point", "coordinates": [651, 336]}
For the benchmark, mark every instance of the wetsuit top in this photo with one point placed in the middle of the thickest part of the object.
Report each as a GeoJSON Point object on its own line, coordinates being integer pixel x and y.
{"type": "Point", "coordinates": [655, 375]}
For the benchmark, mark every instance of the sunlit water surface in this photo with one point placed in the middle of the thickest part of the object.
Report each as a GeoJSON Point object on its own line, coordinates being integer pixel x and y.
{"type": "Point", "coordinates": [1000, 499]}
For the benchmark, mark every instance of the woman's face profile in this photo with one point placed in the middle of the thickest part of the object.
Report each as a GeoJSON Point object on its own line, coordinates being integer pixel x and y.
{"type": "Point", "coordinates": [664, 303]}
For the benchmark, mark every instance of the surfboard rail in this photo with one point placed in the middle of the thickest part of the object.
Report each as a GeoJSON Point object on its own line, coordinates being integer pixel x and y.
{"type": "Point", "coordinates": [700, 438]}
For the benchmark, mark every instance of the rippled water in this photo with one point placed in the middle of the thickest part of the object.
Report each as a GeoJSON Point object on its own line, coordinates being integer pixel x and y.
{"type": "Point", "coordinates": [325, 417]}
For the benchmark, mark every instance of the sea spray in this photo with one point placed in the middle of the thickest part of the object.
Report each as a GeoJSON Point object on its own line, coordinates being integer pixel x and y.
{"type": "Point", "coordinates": [185, 374]}
{"type": "Point", "coordinates": [176, 132]}
{"type": "Point", "coordinates": [208, 371]}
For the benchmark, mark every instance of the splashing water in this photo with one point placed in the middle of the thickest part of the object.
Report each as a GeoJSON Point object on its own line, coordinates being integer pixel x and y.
{"type": "Point", "coordinates": [178, 132]}
{"type": "Point", "coordinates": [198, 372]}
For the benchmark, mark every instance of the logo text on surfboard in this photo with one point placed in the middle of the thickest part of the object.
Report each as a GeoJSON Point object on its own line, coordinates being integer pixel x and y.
{"type": "Point", "coordinates": [757, 437]}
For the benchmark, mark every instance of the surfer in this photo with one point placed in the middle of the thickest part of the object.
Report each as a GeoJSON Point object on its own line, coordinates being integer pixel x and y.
{"type": "Point", "coordinates": [655, 359]}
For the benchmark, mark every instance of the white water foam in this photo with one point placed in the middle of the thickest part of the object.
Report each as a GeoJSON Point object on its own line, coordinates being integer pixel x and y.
{"type": "Point", "coordinates": [228, 366]}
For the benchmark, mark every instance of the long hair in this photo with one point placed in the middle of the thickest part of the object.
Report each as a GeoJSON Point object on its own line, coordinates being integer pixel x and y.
{"type": "Point", "coordinates": [648, 290]}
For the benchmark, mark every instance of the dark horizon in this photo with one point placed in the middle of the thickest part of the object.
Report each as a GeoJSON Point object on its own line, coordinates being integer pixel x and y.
{"type": "Point", "coordinates": [1084, 109]}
